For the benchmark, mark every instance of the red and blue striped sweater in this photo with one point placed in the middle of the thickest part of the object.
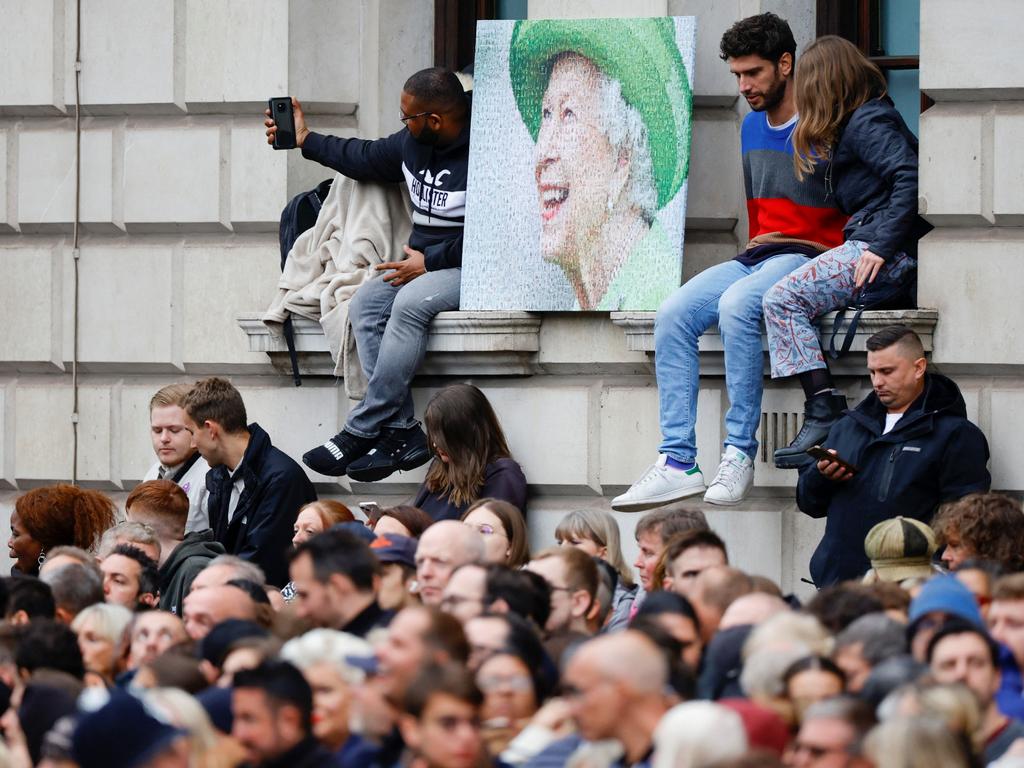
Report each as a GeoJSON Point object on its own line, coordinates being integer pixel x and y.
{"type": "Point", "coordinates": [780, 208]}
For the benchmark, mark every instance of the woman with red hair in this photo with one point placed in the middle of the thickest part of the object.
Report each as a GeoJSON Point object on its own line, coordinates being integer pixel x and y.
{"type": "Point", "coordinates": [54, 516]}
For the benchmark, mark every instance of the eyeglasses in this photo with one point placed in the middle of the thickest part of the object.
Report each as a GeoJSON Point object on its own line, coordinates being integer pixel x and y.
{"type": "Point", "coordinates": [513, 683]}
{"type": "Point", "coordinates": [406, 118]}
{"type": "Point", "coordinates": [487, 530]}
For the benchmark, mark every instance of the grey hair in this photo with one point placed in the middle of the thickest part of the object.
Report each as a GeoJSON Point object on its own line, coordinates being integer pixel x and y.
{"type": "Point", "coordinates": [75, 586]}
{"type": "Point", "coordinates": [328, 646]}
{"type": "Point", "coordinates": [133, 532]}
{"type": "Point", "coordinates": [763, 670]}
{"type": "Point", "coordinates": [626, 130]}
{"type": "Point", "coordinates": [881, 636]}
{"type": "Point", "coordinates": [244, 569]}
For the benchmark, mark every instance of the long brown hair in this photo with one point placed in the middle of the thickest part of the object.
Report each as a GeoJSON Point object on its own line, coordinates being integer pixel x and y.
{"type": "Point", "coordinates": [462, 425]}
{"type": "Point", "coordinates": [833, 78]}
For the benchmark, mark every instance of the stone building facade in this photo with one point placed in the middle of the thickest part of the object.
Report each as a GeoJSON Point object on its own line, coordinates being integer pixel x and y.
{"type": "Point", "coordinates": [178, 247]}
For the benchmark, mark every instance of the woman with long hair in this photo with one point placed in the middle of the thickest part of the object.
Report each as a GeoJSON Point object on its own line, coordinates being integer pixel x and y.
{"type": "Point", "coordinates": [54, 516]}
{"type": "Point", "coordinates": [472, 460]}
{"type": "Point", "coordinates": [847, 122]}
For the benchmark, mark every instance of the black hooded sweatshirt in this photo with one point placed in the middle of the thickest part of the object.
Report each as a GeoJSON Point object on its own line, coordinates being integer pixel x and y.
{"type": "Point", "coordinates": [932, 455]}
{"type": "Point", "coordinates": [435, 176]}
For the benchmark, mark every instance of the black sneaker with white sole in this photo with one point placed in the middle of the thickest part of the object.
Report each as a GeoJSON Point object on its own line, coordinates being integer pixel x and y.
{"type": "Point", "coordinates": [334, 457]}
{"type": "Point", "coordinates": [397, 449]}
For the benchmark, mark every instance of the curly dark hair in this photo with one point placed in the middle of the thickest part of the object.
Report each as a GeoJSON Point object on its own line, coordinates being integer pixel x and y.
{"type": "Point", "coordinates": [57, 515]}
{"type": "Point", "coordinates": [766, 35]}
{"type": "Point", "coordinates": [990, 524]}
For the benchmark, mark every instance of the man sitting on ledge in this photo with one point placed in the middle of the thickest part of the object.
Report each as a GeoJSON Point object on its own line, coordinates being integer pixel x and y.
{"type": "Point", "coordinates": [913, 449]}
{"type": "Point", "coordinates": [392, 312]}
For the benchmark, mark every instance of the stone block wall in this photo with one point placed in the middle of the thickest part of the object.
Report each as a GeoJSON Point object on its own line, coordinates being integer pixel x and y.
{"type": "Point", "coordinates": [972, 177]}
{"type": "Point", "coordinates": [180, 206]}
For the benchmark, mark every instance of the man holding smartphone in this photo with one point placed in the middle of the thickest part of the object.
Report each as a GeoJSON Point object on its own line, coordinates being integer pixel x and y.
{"type": "Point", "coordinates": [392, 311]}
{"type": "Point", "coordinates": [904, 450]}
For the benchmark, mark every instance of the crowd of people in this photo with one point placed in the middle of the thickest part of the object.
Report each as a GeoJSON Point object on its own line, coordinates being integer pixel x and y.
{"type": "Point", "coordinates": [228, 617]}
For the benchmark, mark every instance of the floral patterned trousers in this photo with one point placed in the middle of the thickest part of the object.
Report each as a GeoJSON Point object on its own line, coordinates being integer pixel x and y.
{"type": "Point", "coordinates": [823, 284]}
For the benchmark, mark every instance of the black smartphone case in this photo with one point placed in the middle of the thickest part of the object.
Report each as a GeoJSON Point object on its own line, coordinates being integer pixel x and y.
{"type": "Point", "coordinates": [281, 113]}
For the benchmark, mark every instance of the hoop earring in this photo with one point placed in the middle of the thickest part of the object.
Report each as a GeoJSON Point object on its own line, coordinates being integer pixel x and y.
{"type": "Point", "coordinates": [42, 557]}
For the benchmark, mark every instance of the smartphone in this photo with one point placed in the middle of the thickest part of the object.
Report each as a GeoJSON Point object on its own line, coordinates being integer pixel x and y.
{"type": "Point", "coordinates": [281, 113]}
{"type": "Point", "coordinates": [821, 454]}
{"type": "Point", "coordinates": [370, 508]}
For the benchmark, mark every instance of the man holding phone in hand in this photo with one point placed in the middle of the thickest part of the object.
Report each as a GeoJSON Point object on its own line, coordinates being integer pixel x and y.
{"type": "Point", "coordinates": [392, 311]}
{"type": "Point", "coordinates": [905, 449]}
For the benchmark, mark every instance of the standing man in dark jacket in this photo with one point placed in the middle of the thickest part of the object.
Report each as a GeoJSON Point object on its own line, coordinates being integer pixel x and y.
{"type": "Point", "coordinates": [392, 312]}
{"type": "Point", "coordinates": [255, 489]}
{"type": "Point", "coordinates": [913, 448]}
{"type": "Point", "coordinates": [164, 507]}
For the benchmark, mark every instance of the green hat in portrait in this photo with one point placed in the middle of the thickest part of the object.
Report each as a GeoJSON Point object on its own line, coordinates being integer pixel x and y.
{"type": "Point", "coordinates": [641, 54]}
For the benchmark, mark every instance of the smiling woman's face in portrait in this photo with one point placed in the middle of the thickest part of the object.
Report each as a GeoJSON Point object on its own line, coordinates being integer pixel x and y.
{"type": "Point", "coordinates": [578, 172]}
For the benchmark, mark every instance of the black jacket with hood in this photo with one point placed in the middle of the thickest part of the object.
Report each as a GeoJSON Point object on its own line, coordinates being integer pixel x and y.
{"type": "Point", "coordinates": [873, 176]}
{"type": "Point", "coordinates": [261, 528]}
{"type": "Point", "coordinates": [186, 560]}
{"type": "Point", "coordinates": [932, 455]}
{"type": "Point", "coordinates": [435, 175]}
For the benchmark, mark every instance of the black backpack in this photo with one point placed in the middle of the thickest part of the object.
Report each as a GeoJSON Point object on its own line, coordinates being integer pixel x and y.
{"type": "Point", "coordinates": [298, 216]}
{"type": "Point", "coordinates": [881, 294]}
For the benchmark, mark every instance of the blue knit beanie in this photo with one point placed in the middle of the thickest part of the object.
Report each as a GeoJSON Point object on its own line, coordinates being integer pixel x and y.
{"type": "Point", "coordinates": [949, 595]}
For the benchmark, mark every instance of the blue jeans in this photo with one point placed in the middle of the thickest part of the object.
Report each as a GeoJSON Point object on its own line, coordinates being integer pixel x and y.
{"type": "Point", "coordinates": [730, 294]}
{"type": "Point", "coordinates": [390, 326]}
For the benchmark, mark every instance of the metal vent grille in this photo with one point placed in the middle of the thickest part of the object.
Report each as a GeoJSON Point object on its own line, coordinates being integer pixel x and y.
{"type": "Point", "coordinates": [778, 429]}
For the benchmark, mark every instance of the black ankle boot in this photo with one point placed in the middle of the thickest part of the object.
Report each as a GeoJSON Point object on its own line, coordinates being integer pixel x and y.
{"type": "Point", "coordinates": [820, 413]}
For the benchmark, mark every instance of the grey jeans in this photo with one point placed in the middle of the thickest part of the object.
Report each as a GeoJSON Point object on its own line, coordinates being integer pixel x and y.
{"type": "Point", "coordinates": [390, 326]}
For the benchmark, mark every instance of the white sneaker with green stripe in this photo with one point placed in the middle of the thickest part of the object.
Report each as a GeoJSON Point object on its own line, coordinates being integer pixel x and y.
{"type": "Point", "coordinates": [659, 485]}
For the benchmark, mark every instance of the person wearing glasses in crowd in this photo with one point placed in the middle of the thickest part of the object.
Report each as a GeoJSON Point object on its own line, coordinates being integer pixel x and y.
{"type": "Point", "coordinates": [503, 529]}
{"type": "Point", "coordinates": [391, 312]}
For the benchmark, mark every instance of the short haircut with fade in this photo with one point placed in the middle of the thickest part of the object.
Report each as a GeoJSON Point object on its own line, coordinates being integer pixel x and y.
{"type": "Point", "coordinates": [666, 523]}
{"type": "Point", "coordinates": [216, 399]}
{"type": "Point", "coordinates": [29, 594]}
{"type": "Point", "coordinates": [1009, 587]}
{"type": "Point", "coordinates": [438, 88]}
{"type": "Point", "coordinates": [681, 542]}
{"type": "Point", "coordinates": [956, 626]}
{"type": "Point", "coordinates": [893, 335]}
{"type": "Point", "coordinates": [172, 394]}
{"type": "Point", "coordinates": [441, 680]}
{"type": "Point", "coordinates": [149, 571]}
{"type": "Point", "coordinates": [75, 586]}
{"type": "Point", "coordinates": [580, 571]}
{"type": "Point", "coordinates": [283, 684]}
{"type": "Point", "coordinates": [340, 552]}
{"type": "Point", "coordinates": [163, 504]}
{"type": "Point", "coordinates": [765, 35]}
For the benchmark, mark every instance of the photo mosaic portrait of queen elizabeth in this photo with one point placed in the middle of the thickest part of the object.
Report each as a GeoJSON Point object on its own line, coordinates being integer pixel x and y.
{"type": "Point", "coordinates": [578, 165]}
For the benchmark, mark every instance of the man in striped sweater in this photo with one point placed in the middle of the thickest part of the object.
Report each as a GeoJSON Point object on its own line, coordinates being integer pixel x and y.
{"type": "Point", "coordinates": [790, 221]}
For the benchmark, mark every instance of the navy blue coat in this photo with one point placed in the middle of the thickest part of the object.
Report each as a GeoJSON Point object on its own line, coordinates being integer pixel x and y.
{"type": "Point", "coordinates": [873, 176]}
{"type": "Point", "coordinates": [932, 455]}
{"type": "Point", "coordinates": [275, 489]}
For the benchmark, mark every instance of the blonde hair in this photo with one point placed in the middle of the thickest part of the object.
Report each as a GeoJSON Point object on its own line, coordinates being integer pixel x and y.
{"type": "Point", "coordinates": [601, 528]}
{"type": "Point", "coordinates": [182, 710]}
{"type": "Point", "coordinates": [172, 394]}
{"type": "Point", "coordinates": [915, 742]}
{"type": "Point", "coordinates": [833, 78]}
{"type": "Point", "coordinates": [329, 646]}
{"type": "Point", "coordinates": [111, 621]}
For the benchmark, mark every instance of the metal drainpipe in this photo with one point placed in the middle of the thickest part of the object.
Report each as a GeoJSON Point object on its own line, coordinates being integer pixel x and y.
{"type": "Point", "coordinates": [74, 248]}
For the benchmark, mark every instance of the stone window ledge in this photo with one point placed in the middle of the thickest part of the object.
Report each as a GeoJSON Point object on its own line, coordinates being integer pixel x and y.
{"type": "Point", "coordinates": [508, 343]}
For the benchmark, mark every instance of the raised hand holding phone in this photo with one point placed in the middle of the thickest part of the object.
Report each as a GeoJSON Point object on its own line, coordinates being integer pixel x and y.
{"type": "Point", "coordinates": [286, 124]}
